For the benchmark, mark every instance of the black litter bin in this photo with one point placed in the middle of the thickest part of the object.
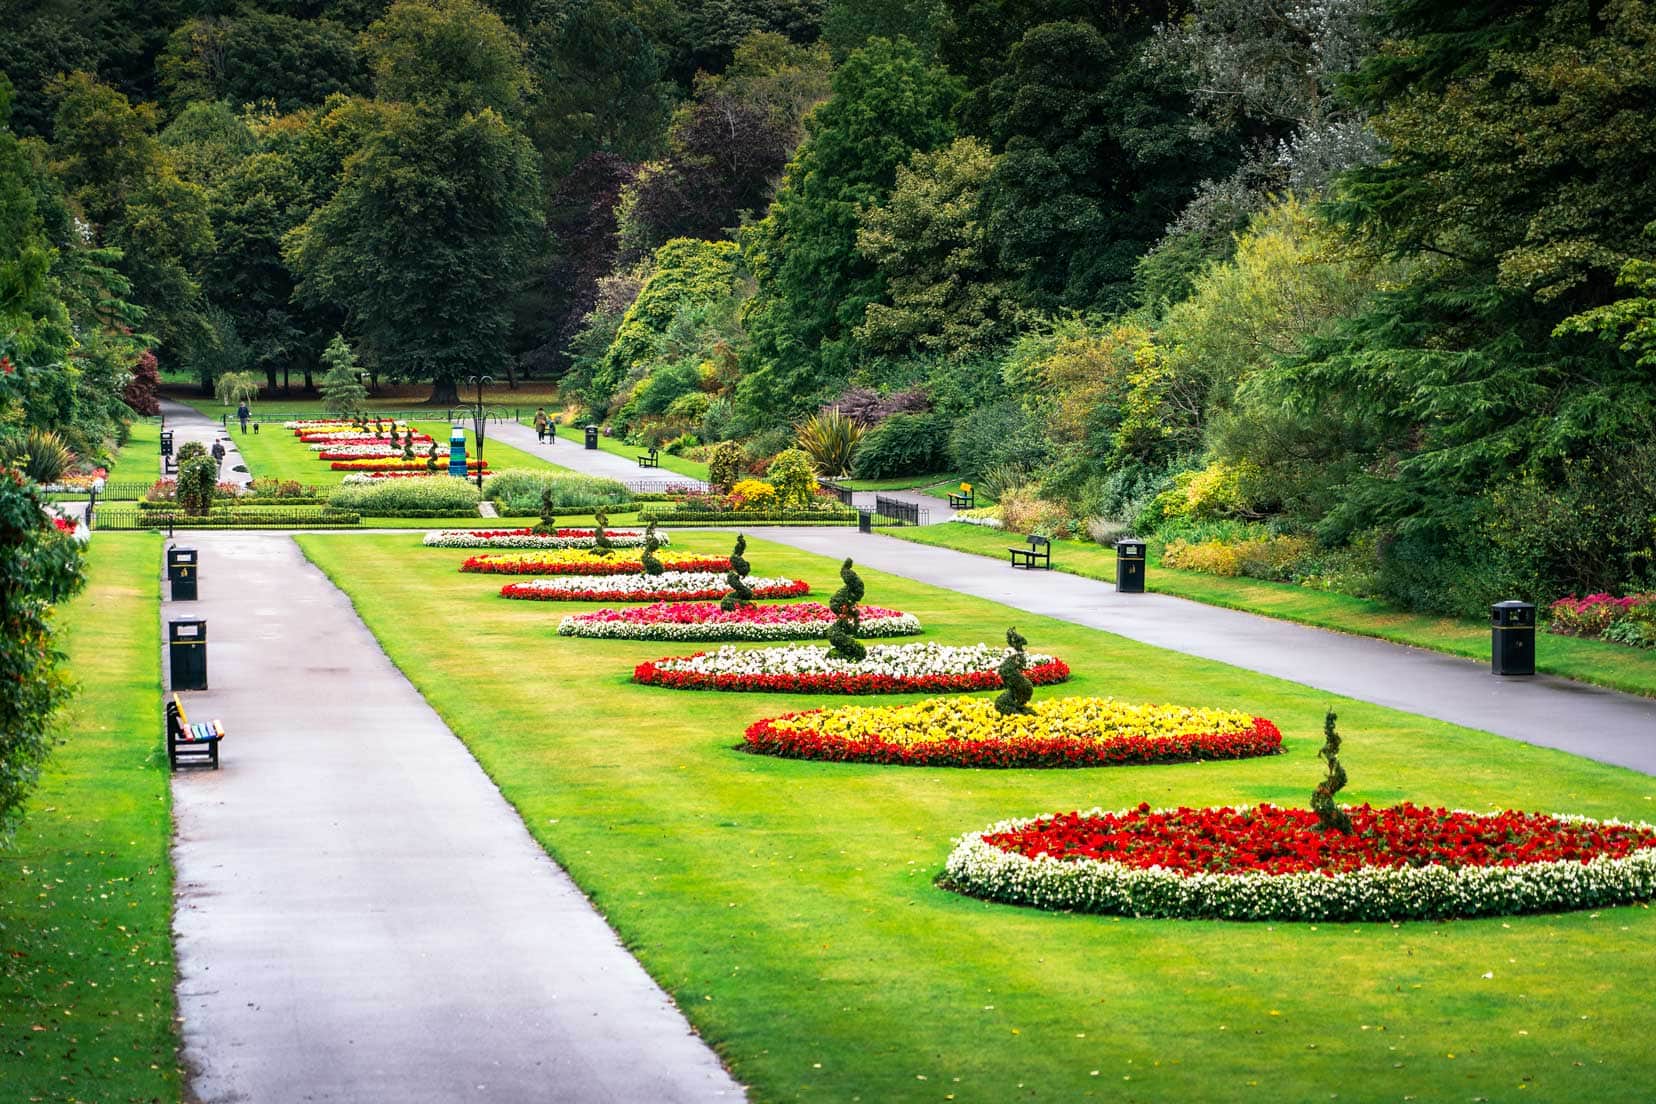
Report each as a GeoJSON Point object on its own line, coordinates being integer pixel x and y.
{"type": "Point", "coordinates": [187, 653]}
{"type": "Point", "coordinates": [182, 573]}
{"type": "Point", "coordinates": [1512, 638]}
{"type": "Point", "coordinates": [166, 442]}
{"type": "Point", "coordinates": [592, 437]}
{"type": "Point", "coordinates": [865, 521]}
{"type": "Point", "coordinates": [1129, 566]}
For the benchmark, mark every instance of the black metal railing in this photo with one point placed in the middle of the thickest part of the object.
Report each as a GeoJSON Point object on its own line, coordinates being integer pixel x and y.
{"type": "Point", "coordinates": [273, 518]}
{"type": "Point", "coordinates": [900, 512]}
{"type": "Point", "coordinates": [844, 494]}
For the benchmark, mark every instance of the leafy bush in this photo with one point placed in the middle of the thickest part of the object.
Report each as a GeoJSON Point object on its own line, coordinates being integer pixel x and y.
{"type": "Point", "coordinates": [436, 497]}
{"type": "Point", "coordinates": [197, 479]}
{"type": "Point", "coordinates": [39, 567]}
{"type": "Point", "coordinates": [517, 491]}
{"type": "Point", "coordinates": [724, 464]}
{"type": "Point", "coordinates": [1023, 510]}
{"type": "Point", "coordinates": [830, 439]}
{"type": "Point", "coordinates": [1218, 490]}
{"type": "Point", "coordinates": [754, 494]}
{"type": "Point", "coordinates": [794, 477]}
{"type": "Point", "coordinates": [1630, 620]}
{"type": "Point", "coordinates": [1274, 558]}
{"type": "Point", "coordinates": [189, 450]}
{"type": "Point", "coordinates": [903, 444]}
{"type": "Point", "coordinates": [868, 408]}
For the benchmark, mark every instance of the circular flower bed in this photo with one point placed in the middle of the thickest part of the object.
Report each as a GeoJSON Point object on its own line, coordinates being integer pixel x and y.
{"type": "Point", "coordinates": [1265, 863]}
{"type": "Point", "coordinates": [810, 668]}
{"type": "Point", "coordinates": [579, 561]}
{"type": "Point", "coordinates": [706, 621]}
{"type": "Point", "coordinates": [681, 586]}
{"type": "Point", "coordinates": [525, 538]}
{"type": "Point", "coordinates": [1058, 732]}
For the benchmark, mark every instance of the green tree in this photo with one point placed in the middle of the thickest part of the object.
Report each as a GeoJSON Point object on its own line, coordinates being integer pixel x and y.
{"type": "Point", "coordinates": [342, 392]}
{"type": "Point", "coordinates": [424, 242]}
{"type": "Point", "coordinates": [452, 56]}
{"type": "Point", "coordinates": [814, 287]}
{"type": "Point", "coordinates": [257, 56]}
{"type": "Point", "coordinates": [930, 241]}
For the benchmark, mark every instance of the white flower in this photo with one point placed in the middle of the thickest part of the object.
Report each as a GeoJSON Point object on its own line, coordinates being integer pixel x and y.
{"type": "Point", "coordinates": [468, 538]}
{"type": "Point", "coordinates": [652, 586]}
{"type": "Point", "coordinates": [895, 660]}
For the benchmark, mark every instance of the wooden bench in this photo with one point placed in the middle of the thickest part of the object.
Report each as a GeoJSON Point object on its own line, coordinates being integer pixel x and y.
{"type": "Point", "coordinates": [191, 745]}
{"type": "Point", "coordinates": [1038, 552]}
{"type": "Point", "coordinates": [649, 460]}
{"type": "Point", "coordinates": [965, 501]}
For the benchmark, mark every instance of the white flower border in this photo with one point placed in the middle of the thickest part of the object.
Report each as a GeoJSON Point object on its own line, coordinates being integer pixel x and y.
{"type": "Point", "coordinates": [1432, 892]}
{"type": "Point", "coordinates": [904, 624]}
{"type": "Point", "coordinates": [461, 538]}
{"type": "Point", "coordinates": [921, 660]}
{"type": "Point", "coordinates": [657, 587]}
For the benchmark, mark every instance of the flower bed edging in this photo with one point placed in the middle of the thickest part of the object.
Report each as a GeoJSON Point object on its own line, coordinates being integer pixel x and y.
{"type": "Point", "coordinates": [525, 538]}
{"type": "Point", "coordinates": [704, 621]}
{"type": "Point", "coordinates": [1431, 892]}
{"type": "Point", "coordinates": [813, 671]}
{"type": "Point", "coordinates": [571, 561]}
{"type": "Point", "coordinates": [670, 587]}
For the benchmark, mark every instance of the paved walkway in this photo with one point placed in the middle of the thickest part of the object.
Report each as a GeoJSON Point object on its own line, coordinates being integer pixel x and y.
{"type": "Point", "coordinates": [576, 457]}
{"type": "Point", "coordinates": [1552, 712]}
{"type": "Point", "coordinates": [189, 424]}
{"type": "Point", "coordinates": [361, 917]}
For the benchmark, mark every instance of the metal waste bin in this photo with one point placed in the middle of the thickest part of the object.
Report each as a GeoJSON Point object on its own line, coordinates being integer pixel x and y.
{"type": "Point", "coordinates": [1512, 638]}
{"type": "Point", "coordinates": [592, 437]}
{"type": "Point", "coordinates": [1129, 566]}
{"type": "Point", "coordinates": [865, 521]}
{"type": "Point", "coordinates": [187, 653]}
{"type": "Point", "coordinates": [183, 573]}
{"type": "Point", "coordinates": [166, 442]}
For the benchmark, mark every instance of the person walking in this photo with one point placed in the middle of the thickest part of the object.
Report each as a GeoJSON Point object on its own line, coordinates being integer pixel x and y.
{"type": "Point", "coordinates": [542, 424]}
{"type": "Point", "coordinates": [243, 413]}
{"type": "Point", "coordinates": [218, 453]}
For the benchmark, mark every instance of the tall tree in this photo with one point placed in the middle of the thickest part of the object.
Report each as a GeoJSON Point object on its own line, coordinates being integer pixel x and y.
{"type": "Point", "coordinates": [260, 57]}
{"type": "Point", "coordinates": [813, 285]}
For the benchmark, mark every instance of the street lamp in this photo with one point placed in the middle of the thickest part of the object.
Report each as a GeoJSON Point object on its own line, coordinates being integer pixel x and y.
{"type": "Point", "coordinates": [478, 423]}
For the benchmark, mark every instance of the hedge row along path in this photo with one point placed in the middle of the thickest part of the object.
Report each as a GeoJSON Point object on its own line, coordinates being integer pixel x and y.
{"type": "Point", "coordinates": [360, 914]}
{"type": "Point", "coordinates": [1600, 724]}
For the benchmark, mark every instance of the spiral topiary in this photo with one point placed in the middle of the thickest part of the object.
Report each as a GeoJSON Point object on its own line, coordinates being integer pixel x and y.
{"type": "Point", "coordinates": [548, 525]}
{"type": "Point", "coordinates": [652, 565]}
{"type": "Point", "coordinates": [1330, 817]}
{"type": "Point", "coordinates": [847, 616]}
{"type": "Point", "coordinates": [431, 458]}
{"type": "Point", "coordinates": [601, 545]}
{"type": "Point", "coordinates": [407, 443]}
{"type": "Point", "coordinates": [740, 593]}
{"type": "Point", "coordinates": [1015, 698]}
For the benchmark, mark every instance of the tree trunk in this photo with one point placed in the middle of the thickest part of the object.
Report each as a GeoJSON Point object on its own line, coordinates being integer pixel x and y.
{"type": "Point", "coordinates": [287, 387]}
{"type": "Point", "coordinates": [444, 393]}
{"type": "Point", "coordinates": [310, 388]}
{"type": "Point", "coordinates": [270, 379]}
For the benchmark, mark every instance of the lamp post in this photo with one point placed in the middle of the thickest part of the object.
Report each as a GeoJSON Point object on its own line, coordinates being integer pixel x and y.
{"type": "Point", "coordinates": [478, 423]}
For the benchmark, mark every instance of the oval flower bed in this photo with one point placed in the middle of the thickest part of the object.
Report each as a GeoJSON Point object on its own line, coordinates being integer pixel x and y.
{"type": "Point", "coordinates": [388, 464]}
{"type": "Point", "coordinates": [681, 586]}
{"type": "Point", "coordinates": [1265, 863]}
{"type": "Point", "coordinates": [811, 668]}
{"type": "Point", "coordinates": [580, 561]}
{"type": "Point", "coordinates": [706, 621]}
{"type": "Point", "coordinates": [971, 732]}
{"type": "Point", "coordinates": [525, 538]}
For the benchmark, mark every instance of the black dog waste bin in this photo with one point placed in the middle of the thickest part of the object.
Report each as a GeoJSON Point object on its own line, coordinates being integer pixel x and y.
{"type": "Point", "coordinates": [187, 653]}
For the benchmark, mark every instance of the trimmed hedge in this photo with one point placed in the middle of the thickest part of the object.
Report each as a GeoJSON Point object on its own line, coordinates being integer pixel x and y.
{"type": "Point", "coordinates": [436, 497]}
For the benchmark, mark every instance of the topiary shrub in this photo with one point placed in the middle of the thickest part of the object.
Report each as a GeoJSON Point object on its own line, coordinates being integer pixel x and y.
{"type": "Point", "coordinates": [740, 593]}
{"type": "Point", "coordinates": [847, 616]}
{"type": "Point", "coordinates": [197, 478]}
{"type": "Point", "coordinates": [724, 465]}
{"type": "Point", "coordinates": [652, 565]}
{"type": "Point", "coordinates": [1330, 817]}
{"type": "Point", "coordinates": [1015, 698]}
{"type": "Point", "coordinates": [431, 459]}
{"type": "Point", "coordinates": [601, 545]}
{"type": "Point", "coordinates": [548, 525]}
{"type": "Point", "coordinates": [903, 444]}
{"type": "Point", "coordinates": [794, 477]}
{"type": "Point", "coordinates": [189, 450]}
{"type": "Point", "coordinates": [408, 443]}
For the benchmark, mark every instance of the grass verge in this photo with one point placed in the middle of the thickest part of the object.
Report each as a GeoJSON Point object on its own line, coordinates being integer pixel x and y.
{"type": "Point", "coordinates": [1593, 661]}
{"type": "Point", "coordinates": [790, 909]}
{"type": "Point", "coordinates": [86, 981]}
{"type": "Point", "coordinates": [670, 465]}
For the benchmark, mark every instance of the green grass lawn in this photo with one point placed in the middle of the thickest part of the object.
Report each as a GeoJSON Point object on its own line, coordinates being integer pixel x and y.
{"type": "Point", "coordinates": [86, 977]}
{"type": "Point", "coordinates": [140, 458]}
{"type": "Point", "coordinates": [1594, 661]}
{"type": "Point", "coordinates": [275, 453]}
{"type": "Point", "coordinates": [937, 484]}
{"type": "Point", "coordinates": [670, 465]}
{"type": "Point", "coordinates": [790, 908]}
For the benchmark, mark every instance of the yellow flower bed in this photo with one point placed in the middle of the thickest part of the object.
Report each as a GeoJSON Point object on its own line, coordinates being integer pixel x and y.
{"type": "Point", "coordinates": [969, 731]}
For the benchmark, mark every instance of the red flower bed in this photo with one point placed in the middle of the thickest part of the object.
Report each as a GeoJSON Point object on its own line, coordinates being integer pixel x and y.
{"type": "Point", "coordinates": [1269, 840]}
{"type": "Point", "coordinates": [487, 564]}
{"type": "Point", "coordinates": [648, 673]}
{"type": "Point", "coordinates": [796, 588]}
{"type": "Point", "coordinates": [385, 465]}
{"type": "Point", "coordinates": [1051, 751]}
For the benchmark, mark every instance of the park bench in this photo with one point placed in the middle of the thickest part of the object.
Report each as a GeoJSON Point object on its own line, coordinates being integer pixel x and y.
{"type": "Point", "coordinates": [650, 459]}
{"type": "Point", "coordinates": [191, 745]}
{"type": "Point", "coordinates": [1039, 551]}
{"type": "Point", "coordinates": [965, 501]}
